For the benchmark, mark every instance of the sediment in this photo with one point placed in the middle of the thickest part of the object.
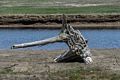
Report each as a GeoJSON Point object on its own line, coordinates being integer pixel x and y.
{"type": "Point", "coordinates": [54, 21]}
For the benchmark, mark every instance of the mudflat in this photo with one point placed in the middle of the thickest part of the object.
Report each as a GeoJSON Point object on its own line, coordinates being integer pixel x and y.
{"type": "Point", "coordinates": [39, 65]}
{"type": "Point", "coordinates": [54, 21]}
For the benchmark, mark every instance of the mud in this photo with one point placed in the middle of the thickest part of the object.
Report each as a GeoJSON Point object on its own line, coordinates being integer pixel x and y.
{"type": "Point", "coordinates": [54, 21]}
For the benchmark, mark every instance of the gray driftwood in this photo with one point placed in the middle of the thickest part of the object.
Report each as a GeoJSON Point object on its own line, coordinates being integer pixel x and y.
{"type": "Point", "coordinates": [78, 48]}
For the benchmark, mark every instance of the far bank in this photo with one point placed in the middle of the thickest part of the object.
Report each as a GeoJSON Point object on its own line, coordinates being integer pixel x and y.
{"type": "Point", "coordinates": [54, 21]}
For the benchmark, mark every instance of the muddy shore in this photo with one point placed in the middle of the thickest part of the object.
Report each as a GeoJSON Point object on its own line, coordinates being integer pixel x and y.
{"type": "Point", "coordinates": [88, 21]}
{"type": "Point", "coordinates": [39, 65]}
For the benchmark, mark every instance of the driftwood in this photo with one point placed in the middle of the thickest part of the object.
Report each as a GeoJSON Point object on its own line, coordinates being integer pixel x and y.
{"type": "Point", "coordinates": [78, 48]}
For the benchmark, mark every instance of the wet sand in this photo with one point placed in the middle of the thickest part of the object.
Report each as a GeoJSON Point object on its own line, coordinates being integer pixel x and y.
{"type": "Point", "coordinates": [39, 65]}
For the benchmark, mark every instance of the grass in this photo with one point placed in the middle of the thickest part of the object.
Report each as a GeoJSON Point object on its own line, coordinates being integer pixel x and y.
{"type": "Point", "coordinates": [6, 71]}
{"type": "Point", "coordinates": [53, 2]}
{"type": "Point", "coordinates": [79, 73]}
{"type": "Point", "coordinates": [94, 73]}
{"type": "Point", "coordinates": [59, 10]}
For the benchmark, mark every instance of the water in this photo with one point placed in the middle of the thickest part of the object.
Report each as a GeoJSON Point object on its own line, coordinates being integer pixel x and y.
{"type": "Point", "coordinates": [96, 38]}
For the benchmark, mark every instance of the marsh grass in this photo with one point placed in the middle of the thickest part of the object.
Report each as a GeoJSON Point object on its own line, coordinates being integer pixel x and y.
{"type": "Point", "coordinates": [6, 71]}
{"type": "Point", "coordinates": [78, 73]}
{"type": "Point", "coordinates": [81, 73]}
{"type": "Point", "coordinates": [59, 10]}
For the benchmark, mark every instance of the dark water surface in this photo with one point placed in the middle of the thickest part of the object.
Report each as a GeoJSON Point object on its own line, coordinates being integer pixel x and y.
{"type": "Point", "coordinates": [96, 38]}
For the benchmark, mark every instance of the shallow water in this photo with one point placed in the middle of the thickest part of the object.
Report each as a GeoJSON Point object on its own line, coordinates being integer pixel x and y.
{"type": "Point", "coordinates": [96, 38]}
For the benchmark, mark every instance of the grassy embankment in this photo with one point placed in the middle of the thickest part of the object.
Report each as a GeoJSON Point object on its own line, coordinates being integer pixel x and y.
{"type": "Point", "coordinates": [58, 6]}
{"type": "Point", "coordinates": [113, 22]}
{"type": "Point", "coordinates": [60, 10]}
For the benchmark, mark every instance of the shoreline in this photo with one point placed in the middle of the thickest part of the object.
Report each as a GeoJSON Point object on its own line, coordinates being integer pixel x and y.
{"type": "Point", "coordinates": [54, 21]}
{"type": "Point", "coordinates": [58, 26]}
{"type": "Point", "coordinates": [29, 64]}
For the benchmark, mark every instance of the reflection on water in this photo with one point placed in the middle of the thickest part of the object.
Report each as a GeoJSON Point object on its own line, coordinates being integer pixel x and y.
{"type": "Point", "coordinates": [96, 38]}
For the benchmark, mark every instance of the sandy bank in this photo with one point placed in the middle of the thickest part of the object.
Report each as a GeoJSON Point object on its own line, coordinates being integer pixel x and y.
{"type": "Point", "coordinates": [54, 21]}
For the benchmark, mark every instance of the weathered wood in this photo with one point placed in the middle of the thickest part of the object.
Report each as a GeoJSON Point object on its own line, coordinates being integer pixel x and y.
{"type": "Point", "coordinates": [41, 42]}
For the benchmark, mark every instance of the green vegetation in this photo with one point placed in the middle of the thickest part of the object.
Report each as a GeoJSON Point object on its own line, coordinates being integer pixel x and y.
{"type": "Point", "coordinates": [6, 71]}
{"type": "Point", "coordinates": [79, 73]}
{"type": "Point", "coordinates": [59, 10]}
{"type": "Point", "coordinates": [94, 73]}
{"type": "Point", "coordinates": [58, 6]}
